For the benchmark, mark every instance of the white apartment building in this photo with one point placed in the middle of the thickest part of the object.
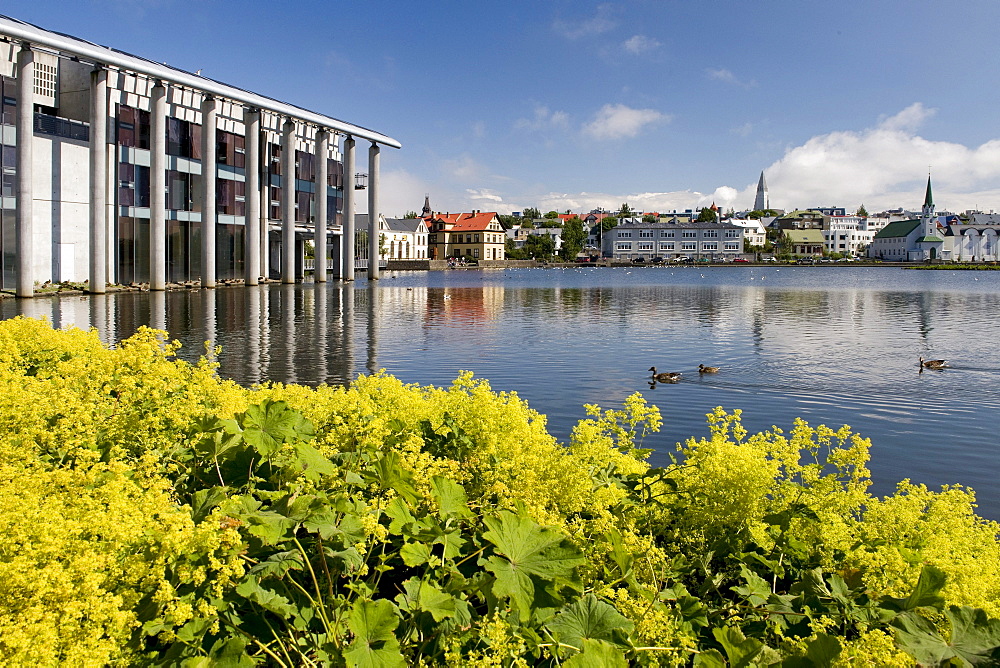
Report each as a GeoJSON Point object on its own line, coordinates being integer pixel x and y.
{"type": "Point", "coordinates": [119, 169]}
{"type": "Point", "coordinates": [847, 235]}
{"type": "Point", "coordinates": [645, 241]}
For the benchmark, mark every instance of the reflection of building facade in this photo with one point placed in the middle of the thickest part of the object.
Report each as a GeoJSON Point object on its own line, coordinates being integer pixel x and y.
{"type": "Point", "coordinates": [113, 185]}
{"type": "Point", "coordinates": [477, 236]}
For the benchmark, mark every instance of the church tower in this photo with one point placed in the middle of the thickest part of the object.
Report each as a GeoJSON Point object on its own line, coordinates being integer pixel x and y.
{"type": "Point", "coordinates": [927, 212]}
{"type": "Point", "coordinates": [427, 207]}
{"type": "Point", "coordinates": [761, 202]}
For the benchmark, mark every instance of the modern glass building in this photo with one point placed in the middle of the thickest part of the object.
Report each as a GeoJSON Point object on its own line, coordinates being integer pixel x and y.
{"type": "Point", "coordinates": [137, 172]}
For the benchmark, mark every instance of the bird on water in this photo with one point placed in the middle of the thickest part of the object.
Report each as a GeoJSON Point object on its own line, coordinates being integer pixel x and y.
{"type": "Point", "coordinates": [666, 376]}
{"type": "Point", "coordinates": [707, 369]}
{"type": "Point", "coordinates": [933, 364]}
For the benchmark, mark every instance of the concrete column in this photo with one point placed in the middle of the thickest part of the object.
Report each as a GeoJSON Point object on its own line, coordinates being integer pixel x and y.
{"type": "Point", "coordinates": [25, 285]}
{"type": "Point", "coordinates": [288, 202]}
{"type": "Point", "coordinates": [209, 212]}
{"type": "Point", "coordinates": [322, 151]}
{"type": "Point", "coordinates": [251, 123]}
{"type": "Point", "coordinates": [373, 234]}
{"type": "Point", "coordinates": [158, 189]}
{"type": "Point", "coordinates": [347, 250]}
{"type": "Point", "coordinates": [98, 181]}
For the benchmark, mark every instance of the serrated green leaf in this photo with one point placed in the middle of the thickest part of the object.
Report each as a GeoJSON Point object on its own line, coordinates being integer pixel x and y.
{"type": "Point", "coordinates": [823, 650]}
{"type": "Point", "coordinates": [230, 653]}
{"type": "Point", "coordinates": [389, 474]}
{"type": "Point", "coordinates": [756, 591]}
{"type": "Point", "coordinates": [928, 590]}
{"type": "Point", "coordinates": [528, 550]}
{"type": "Point", "coordinates": [251, 590]}
{"type": "Point", "coordinates": [710, 658]}
{"type": "Point", "coordinates": [310, 461]}
{"type": "Point", "coordinates": [423, 596]}
{"type": "Point", "coordinates": [266, 426]}
{"type": "Point", "coordinates": [270, 527]}
{"type": "Point", "coordinates": [974, 636]}
{"type": "Point", "coordinates": [597, 654]}
{"type": "Point", "coordinates": [740, 650]}
{"type": "Point", "coordinates": [450, 496]}
{"type": "Point", "coordinates": [375, 645]}
{"type": "Point", "coordinates": [415, 554]}
{"type": "Point", "coordinates": [278, 564]}
{"type": "Point", "coordinates": [590, 619]}
{"type": "Point", "coordinates": [204, 500]}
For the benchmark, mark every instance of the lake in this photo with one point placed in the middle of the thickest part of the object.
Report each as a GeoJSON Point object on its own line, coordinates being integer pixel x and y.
{"type": "Point", "coordinates": [833, 345]}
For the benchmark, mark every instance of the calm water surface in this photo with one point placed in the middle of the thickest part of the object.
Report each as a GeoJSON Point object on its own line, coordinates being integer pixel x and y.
{"type": "Point", "coordinates": [832, 345]}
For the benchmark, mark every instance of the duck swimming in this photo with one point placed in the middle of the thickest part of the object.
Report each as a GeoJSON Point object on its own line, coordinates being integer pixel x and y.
{"type": "Point", "coordinates": [707, 369]}
{"type": "Point", "coordinates": [666, 376]}
{"type": "Point", "coordinates": [933, 364]}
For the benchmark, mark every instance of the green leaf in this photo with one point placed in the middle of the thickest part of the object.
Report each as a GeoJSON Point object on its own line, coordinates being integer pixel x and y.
{"type": "Point", "coordinates": [268, 425]}
{"type": "Point", "coordinates": [590, 619]}
{"type": "Point", "coordinates": [278, 564]}
{"type": "Point", "coordinates": [528, 550]}
{"type": "Point", "coordinates": [597, 654]}
{"type": "Point", "coordinates": [389, 474]}
{"type": "Point", "coordinates": [204, 500]}
{"type": "Point", "coordinates": [756, 591]}
{"type": "Point", "coordinates": [823, 650]}
{"type": "Point", "coordinates": [450, 497]}
{"type": "Point", "coordinates": [974, 636]}
{"type": "Point", "coordinates": [375, 645]}
{"type": "Point", "coordinates": [251, 590]}
{"type": "Point", "coordinates": [740, 650]}
{"type": "Point", "coordinates": [928, 590]}
{"type": "Point", "coordinates": [230, 653]}
{"type": "Point", "coordinates": [415, 554]}
{"type": "Point", "coordinates": [710, 658]}
{"type": "Point", "coordinates": [423, 596]}
{"type": "Point", "coordinates": [270, 527]}
{"type": "Point", "coordinates": [309, 460]}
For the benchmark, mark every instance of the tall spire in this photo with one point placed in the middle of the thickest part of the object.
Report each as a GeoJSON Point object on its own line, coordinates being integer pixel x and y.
{"type": "Point", "coordinates": [929, 198]}
{"type": "Point", "coordinates": [761, 203]}
{"type": "Point", "coordinates": [427, 206]}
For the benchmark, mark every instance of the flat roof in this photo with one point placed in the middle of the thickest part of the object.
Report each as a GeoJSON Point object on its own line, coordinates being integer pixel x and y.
{"type": "Point", "coordinates": [70, 46]}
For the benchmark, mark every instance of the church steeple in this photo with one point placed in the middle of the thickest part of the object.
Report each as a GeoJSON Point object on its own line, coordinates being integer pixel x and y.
{"type": "Point", "coordinates": [929, 197]}
{"type": "Point", "coordinates": [761, 203]}
{"type": "Point", "coordinates": [927, 212]}
{"type": "Point", "coordinates": [427, 206]}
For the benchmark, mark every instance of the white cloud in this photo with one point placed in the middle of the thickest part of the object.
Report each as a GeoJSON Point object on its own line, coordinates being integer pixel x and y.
{"type": "Point", "coordinates": [543, 119]}
{"type": "Point", "coordinates": [616, 121]}
{"type": "Point", "coordinates": [728, 77]}
{"type": "Point", "coordinates": [602, 21]}
{"type": "Point", "coordinates": [399, 192]}
{"type": "Point", "coordinates": [885, 167]}
{"type": "Point", "coordinates": [639, 44]}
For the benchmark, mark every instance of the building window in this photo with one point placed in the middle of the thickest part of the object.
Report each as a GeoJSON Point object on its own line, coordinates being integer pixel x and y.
{"type": "Point", "coordinates": [710, 234]}
{"type": "Point", "coordinates": [624, 246]}
{"type": "Point", "coordinates": [732, 246]}
{"type": "Point", "coordinates": [688, 246]}
{"type": "Point", "coordinates": [645, 246]}
{"type": "Point", "coordinates": [710, 245]}
{"type": "Point", "coordinates": [669, 234]}
{"type": "Point", "coordinates": [645, 234]}
{"type": "Point", "coordinates": [624, 235]}
{"type": "Point", "coordinates": [689, 235]}
{"type": "Point", "coordinates": [666, 245]}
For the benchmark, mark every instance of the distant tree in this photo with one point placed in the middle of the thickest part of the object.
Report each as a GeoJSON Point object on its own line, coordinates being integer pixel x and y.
{"type": "Point", "coordinates": [514, 253]}
{"type": "Point", "coordinates": [411, 214]}
{"type": "Point", "coordinates": [573, 238]}
{"type": "Point", "coordinates": [540, 246]}
{"type": "Point", "coordinates": [531, 212]}
{"type": "Point", "coordinates": [526, 224]}
{"type": "Point", "coordinates": [625, 211]}
{"type": "Point", "coordinates": [552, 215]}
{"type": "Point", "coordinates": [608, 222]}
{"type": "Point", "coordinates": [706, 216]}
{"type": "Point", "coordinates": [567, 212]}
{"type": "Point", "coordinates": [649, 218]}
{"type": "Point", "coordinates": [862, 211]}
{"type": "Point", "coordinates": [508, 221]}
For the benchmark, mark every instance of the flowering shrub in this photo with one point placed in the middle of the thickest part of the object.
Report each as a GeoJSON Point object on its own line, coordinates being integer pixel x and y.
{"type": "Point", "coordinates": [151, 512]}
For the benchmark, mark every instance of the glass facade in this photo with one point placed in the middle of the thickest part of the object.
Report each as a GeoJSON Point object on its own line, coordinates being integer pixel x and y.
{"type": "Point", "coordinates": [8, 186]}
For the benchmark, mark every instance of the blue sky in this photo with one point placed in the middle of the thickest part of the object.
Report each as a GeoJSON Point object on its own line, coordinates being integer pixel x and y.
{"type": "Point", "coordinates": [572, 105]}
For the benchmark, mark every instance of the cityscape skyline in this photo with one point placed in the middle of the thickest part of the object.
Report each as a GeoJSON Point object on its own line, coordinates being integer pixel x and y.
{"type": "Point", "coordinates": [572, 105]}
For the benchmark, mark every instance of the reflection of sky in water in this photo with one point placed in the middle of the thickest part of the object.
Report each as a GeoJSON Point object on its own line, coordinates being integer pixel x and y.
{"type": "Point", "coordinates": [831, 345]}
